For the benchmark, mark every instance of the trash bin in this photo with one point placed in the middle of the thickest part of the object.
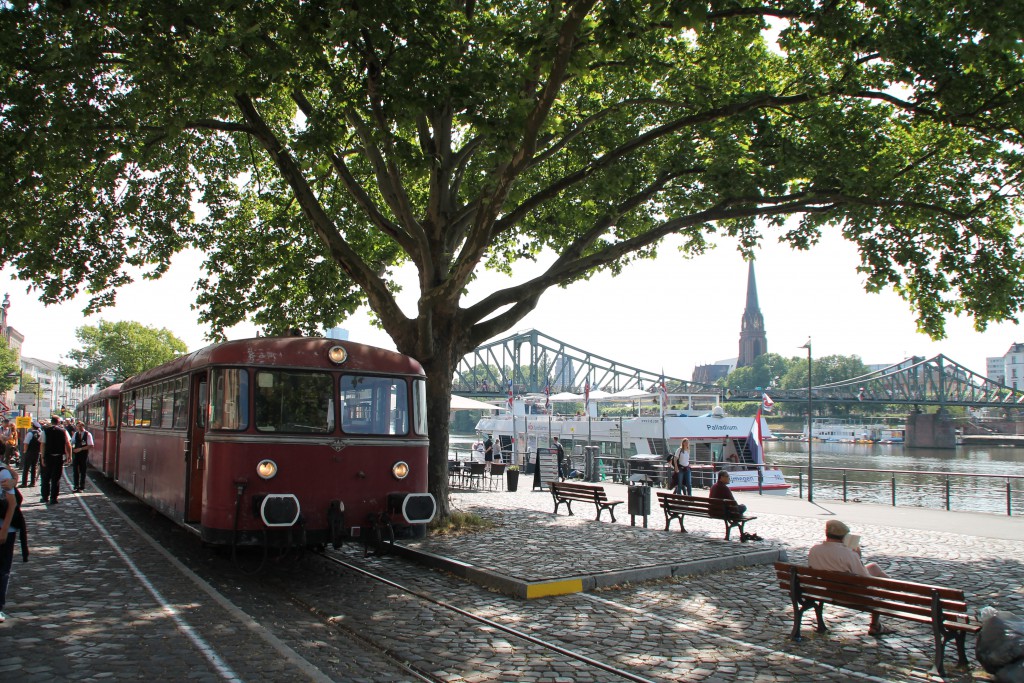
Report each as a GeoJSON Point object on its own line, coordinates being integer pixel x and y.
{"type": "Point", "coordinates": [639, 501]}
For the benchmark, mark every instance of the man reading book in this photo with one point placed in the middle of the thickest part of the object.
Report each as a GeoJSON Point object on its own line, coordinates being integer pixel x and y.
{"type": "Point", "coordinates": [836, 556]}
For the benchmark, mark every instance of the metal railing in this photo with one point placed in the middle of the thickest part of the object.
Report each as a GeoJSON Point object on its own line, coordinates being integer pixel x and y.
{"type": "Point", "coordinates": [964, 491]}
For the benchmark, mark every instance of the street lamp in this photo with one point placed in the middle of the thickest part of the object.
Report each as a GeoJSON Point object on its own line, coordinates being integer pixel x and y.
{"type": "Point", "coordinates": [810, 432]}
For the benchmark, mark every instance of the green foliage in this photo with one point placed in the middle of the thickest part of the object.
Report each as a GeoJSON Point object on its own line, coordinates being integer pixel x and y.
{"type": "Point", "coordinates": [113, 352]}
{"type": "Point", "coordinates": [9, 365]}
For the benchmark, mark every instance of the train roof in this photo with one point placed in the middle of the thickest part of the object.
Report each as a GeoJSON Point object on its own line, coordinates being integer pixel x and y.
{"type": "Point", "coordinates": [111, 391]}
{"type": "Point", "coordinates": [292, 352]}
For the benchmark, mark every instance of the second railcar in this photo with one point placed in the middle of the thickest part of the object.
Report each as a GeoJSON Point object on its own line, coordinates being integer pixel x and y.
{"type": "Point", "coordinates": [100, 414]}
{"type": "Point", "coordinates": [280, 441]}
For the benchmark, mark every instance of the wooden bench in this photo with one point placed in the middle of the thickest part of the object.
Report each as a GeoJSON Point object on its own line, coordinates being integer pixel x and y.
{"type": "Point", "coordinates": [677, 506]}
{"type": "Point", "coordinates": [944, 608]}
{"type": "Point", "coordinates": [566, 492]}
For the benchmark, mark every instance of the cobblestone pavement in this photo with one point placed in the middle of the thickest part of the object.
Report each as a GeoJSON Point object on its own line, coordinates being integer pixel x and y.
{"type": "Point", "coordinates": [97, 601]}
{"type": "Point", "coordinates": [80, 610]}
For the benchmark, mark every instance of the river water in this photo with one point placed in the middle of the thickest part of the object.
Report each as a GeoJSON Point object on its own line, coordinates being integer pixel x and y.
{"type": "Point", "coordinates": [924, 487]}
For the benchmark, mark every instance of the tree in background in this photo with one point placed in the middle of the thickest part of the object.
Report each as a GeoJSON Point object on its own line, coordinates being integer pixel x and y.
{"type": "Point", "coordinates": [113, 352]}
{"type": "Point", "coordinates": [10, 367]}
{"type": "Point", "coordinates": [330, 142]}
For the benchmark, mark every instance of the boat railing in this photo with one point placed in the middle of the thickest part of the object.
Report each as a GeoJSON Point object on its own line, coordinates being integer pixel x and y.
{"type": "Point", "coordinates": [963, 491]}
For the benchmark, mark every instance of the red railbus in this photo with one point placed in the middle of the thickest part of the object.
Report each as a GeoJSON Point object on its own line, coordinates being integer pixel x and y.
{"type": "Point", "coordinates": [100, 414]}
{"type": "Point", "coordinates": [280, 442]}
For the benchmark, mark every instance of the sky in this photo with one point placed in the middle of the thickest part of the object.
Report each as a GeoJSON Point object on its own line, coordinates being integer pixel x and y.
{"type": "Point", "coordinates": [669, 314]}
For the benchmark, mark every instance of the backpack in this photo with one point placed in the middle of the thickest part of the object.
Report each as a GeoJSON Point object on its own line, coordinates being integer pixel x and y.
{"type": "Point", "coordinates": [18, 520]}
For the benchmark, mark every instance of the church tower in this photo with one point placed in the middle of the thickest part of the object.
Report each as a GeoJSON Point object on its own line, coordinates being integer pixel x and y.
{"type": "Point", "coordinates": [753, 341]}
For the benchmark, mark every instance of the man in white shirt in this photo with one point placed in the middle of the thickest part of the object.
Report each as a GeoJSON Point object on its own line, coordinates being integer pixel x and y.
{"type": "Point", "coordinates": [834, 555]}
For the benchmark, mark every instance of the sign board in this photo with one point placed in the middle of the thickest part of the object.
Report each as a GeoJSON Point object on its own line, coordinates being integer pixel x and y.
{"type": "Point", "coordinates": [24, 397]}
{"type": "Point", "coordinates": [23, 422]}
{"type": "Point", "coordinates": [546, 468]}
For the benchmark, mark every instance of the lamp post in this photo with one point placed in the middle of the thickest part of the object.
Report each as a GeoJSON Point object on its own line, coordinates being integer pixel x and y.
{"type": "Point", "coordinates": [810, 433]}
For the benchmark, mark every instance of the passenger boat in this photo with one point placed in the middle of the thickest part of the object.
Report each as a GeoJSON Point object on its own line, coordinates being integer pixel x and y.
{"type": "Point", "coordinates": [642, 443]}
{"type": "Point", "coordinates": [834, 430]}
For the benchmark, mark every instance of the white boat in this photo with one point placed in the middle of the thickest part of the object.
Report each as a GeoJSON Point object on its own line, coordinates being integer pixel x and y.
{"type": "Point", "coordinates": [627, 445]}
{"type": "Point", "coordinates": [835, 430]}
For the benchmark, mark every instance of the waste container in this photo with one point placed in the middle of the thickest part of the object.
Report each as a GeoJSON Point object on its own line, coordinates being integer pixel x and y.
{"type": "Point", "coordinates": [638, 501]}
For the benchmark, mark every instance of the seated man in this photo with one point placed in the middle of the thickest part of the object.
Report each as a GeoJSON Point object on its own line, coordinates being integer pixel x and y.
{"type": "Point", "coordinates": [834, 555]}
{"type": "Point", "coordinates": [721, 492]}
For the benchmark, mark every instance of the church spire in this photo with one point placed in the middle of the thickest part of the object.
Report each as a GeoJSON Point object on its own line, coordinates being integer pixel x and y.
{"type": "Point", "coordinates": [753, 340]}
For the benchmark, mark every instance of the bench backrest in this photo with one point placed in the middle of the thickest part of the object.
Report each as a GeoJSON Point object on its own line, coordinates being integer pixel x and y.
{"type": "Point", "coordinates": [904, 599]}
{"type": "Point", "coordinates": [678, 503]}
{"type": "Point", "coordinates": [578, 491]}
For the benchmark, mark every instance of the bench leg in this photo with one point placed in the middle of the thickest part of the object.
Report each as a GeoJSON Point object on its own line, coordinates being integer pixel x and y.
{"type": "Point", "coordinates": [961, 651]}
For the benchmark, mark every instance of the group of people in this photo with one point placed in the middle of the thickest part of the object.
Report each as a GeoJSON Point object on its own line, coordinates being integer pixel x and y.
{"type": "Point", "coordinates": [50, 448]}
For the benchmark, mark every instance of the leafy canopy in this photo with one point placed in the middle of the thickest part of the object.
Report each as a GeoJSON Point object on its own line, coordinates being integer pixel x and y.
{"type": "Point", "coordinates": [329, 142]}
{"type": "Point", "coordinates": [113, 352]}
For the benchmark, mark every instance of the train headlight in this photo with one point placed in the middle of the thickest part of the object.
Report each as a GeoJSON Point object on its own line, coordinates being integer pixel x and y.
{"type": "Point", "coordinates": [337, 354]}
{"type": "Point", "coordinates": [266, 469]}
{"type": "Point", "coordinates": [400, 470]}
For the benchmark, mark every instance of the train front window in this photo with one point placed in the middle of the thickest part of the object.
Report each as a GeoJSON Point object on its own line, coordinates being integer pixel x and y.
{"type": "Point", "coordinates": [374, 405]}
{"type": "Point", "coordinates": [294, 402]}
{"type": "Point", "coordinates": [229, 400]}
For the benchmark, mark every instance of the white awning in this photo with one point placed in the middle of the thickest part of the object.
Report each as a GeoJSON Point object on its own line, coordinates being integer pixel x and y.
{"type": "Point", "coordinates": [464, 403]}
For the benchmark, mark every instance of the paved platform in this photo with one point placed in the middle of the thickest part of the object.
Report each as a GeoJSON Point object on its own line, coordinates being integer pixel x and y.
{"type": "Point", "coordinates": [80, 611]}
{"type": "Point", "coordinates": [531, 552]}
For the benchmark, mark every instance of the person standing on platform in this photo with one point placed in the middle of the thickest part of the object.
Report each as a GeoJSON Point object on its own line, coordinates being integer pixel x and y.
{"type": "Point", "coordinates": [30, 456]}
{"type": "Point", "coordinates": [681, 465]}
{"type": "Point", "coordinates": [80, 457]}
{"type": "Point", "coordinates": [833, 554]}
{"type": "Point", "coordinates": [488, 448]}
{"type": "Point", "coordinates": [560, 458]}
{"type": "Point", "coordinates": [9, 527]}
{"type": "Point", "coordinates": [56, 454]}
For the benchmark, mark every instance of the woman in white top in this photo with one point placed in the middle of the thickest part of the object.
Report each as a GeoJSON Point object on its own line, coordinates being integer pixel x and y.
{"type": "Point", "coordinates": [681, 465]}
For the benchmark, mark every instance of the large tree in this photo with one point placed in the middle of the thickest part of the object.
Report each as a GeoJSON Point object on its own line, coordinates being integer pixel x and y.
{"type": "Point", "coordinates": [113, 352]}
{"type": "Point", "coordinates": [330, 141]}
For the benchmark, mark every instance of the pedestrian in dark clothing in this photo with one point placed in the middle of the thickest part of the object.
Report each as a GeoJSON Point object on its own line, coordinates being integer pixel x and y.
{"type": "Point", "coordinates": [561, 458]}
{"type": "Point", "coordinates": [30, 457]}
{"type": "Point", "coordinates": [56, 454]}
{"type": "Point", "coordinates": [80, 457]}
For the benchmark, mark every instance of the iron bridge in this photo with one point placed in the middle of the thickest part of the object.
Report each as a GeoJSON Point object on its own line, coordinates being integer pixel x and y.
{"type": "Point", "coordinates": [536, 362]}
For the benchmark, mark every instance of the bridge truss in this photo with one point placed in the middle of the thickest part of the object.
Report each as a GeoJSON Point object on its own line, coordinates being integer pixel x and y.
{"type": "Point", "coordinates": [535, 361]}
{"type": "Point", "coordinates": [936, 381]}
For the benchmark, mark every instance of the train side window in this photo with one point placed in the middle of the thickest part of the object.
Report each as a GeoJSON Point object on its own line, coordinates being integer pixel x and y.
{"type": "Point", "coordinates": [229, 403]}
{"type": "Point", "coordinates": [419, 406]}
{"type": "Point", "coordinates": [293, 401]}
{"type": "Point", "coordinates": [201, 406]}
{"type": "Point", "coordinates": [180, 403]}
{"type": "Point", "coordinates": [374, 405]}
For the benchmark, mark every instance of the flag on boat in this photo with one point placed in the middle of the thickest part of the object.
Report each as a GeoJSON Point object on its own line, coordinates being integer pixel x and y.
{"type": "Point", "coordinates": [586, 396]}
{"type": "Point", "coordinates": [755, 444]}
{"type": "Point", "coordinates": [767, 403]}
{"type": "Point", "coordinates": [547, 396]}
{"type": "Point", "coordinates": [860, 394]}
{"type": "Point", "coordinates": [510, 400]}
{"type": "Point", "coordinates": [664, 396]}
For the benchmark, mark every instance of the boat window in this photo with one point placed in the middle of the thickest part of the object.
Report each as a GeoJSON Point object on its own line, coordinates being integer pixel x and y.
{"type": "Point", "coordinates": [229, 400]}
{"type": "Point", "coordinates": [294, 402]}
{"type": "Point", "coordinates": [419, 406]}
{"type": "Point", "coordinates": [374, 405]}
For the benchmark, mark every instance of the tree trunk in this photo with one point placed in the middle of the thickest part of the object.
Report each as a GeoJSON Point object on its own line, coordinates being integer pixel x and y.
{"type": "Point", "coordinates": [439, 399]}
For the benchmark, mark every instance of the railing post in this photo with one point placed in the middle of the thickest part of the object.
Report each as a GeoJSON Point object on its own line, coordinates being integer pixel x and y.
{"type": "Point", "coordinates": [894, 489]}
{"type": "Point", "coordinates": [801, 478]}
{"type": "Point", "coordinates": [844, 486]}
{"type": "Point", "coordinates": [1009, 495]}
{"type": "Point", "coordinates": [947, 492]}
